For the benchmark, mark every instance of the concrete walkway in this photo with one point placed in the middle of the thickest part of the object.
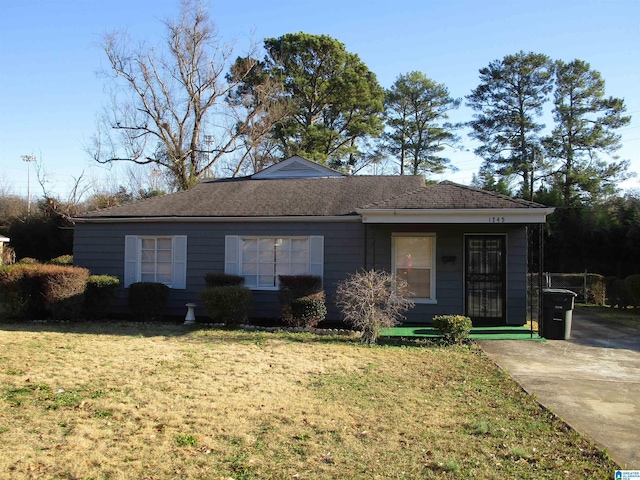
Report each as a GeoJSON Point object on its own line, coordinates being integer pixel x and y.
{"type": "Point", "coordinates": [592, 381]}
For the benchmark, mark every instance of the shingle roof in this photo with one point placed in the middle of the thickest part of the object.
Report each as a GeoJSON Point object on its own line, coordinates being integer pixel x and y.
{"type": "Point", "coordinates": [247, 197]}
{"type": "Point", "coordinates": [449, 195]}
{"type": "Point", "coordinates": [250, 197]}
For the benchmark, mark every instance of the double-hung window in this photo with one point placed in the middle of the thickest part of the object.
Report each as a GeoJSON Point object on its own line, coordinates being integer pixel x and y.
{"type": "Point", "coordinates": [261, 259]}
{"type": "Point", "coordinates": [159, 259]}
{"type": "Point", "coordinates": [413, 260]}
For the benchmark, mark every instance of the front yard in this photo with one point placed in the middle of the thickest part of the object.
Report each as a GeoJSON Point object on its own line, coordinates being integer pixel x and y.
{"type": "Point", "coordinates": [120, 401]}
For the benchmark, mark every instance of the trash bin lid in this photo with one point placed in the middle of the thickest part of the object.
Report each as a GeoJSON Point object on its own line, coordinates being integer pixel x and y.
{"type": "Point", "coordinates": [561, 291]}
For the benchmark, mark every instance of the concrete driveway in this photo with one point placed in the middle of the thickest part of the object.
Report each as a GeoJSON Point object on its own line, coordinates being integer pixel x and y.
{"type": "Point", "coordinates": [592, 381]}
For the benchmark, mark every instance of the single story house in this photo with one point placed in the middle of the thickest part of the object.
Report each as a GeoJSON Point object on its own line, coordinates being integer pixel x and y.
{"type": "Point", "coordinates": [461, 249]}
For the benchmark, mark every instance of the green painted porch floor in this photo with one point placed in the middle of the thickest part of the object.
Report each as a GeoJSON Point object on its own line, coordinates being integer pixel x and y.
{"type": "Point", "coordinates": [502, 332]}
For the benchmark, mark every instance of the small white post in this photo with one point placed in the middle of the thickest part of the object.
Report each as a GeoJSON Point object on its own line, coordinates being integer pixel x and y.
{"type": "Point", "coordinates": [190, 319]}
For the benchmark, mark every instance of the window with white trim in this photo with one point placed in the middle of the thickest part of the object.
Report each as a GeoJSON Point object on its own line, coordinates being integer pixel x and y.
{"type": "Point", "coordinates": [413, 260]}
{"type": "Point", "coordinates": [261, 259]}
{"type": "Point", "coordinates": [160, 259]}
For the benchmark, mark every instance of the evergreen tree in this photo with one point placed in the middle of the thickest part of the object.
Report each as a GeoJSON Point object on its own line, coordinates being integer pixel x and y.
{"type": "Point", "coordinates": [416, 110]}
{"type": "Point", "coordinates": [585, 125]}
{"type": "Point", "coordinates": [509, 100]}
{"type": "Point", "coordinates": [336, 100]}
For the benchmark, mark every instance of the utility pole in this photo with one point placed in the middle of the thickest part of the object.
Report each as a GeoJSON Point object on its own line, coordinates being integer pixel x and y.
{"type": "Point", "coordinates": [208, 139]}
{"type": "Point", "coordinates": [28, 159]}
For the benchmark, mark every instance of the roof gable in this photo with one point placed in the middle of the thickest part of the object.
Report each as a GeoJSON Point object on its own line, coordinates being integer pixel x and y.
{"type": "Point", "coordinates": [296, 167]}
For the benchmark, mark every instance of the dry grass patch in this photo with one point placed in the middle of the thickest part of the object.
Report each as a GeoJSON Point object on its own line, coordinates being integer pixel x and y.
{"type": "Point", "coordinates": [128, 401]}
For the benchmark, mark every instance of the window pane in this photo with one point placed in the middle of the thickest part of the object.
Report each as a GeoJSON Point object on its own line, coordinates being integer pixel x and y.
{"type": "Point", "coordinates": [249, 268]}
{"type": "Point", "coordinates": [249, 245]}
{"type": "Point", "coordinates": [163, 268]}
{"type": "Point", "coordinates": [250, 280]}
{"type": "Point", "coordinates": [265, 269]}
{"type": "Point", "coordinates": [166, 279]}
{"type": "Point", "coordinates": [299, 257]}
{"type": "Point", "coordinates": [413, 251]}
{"type": "Point", "coordinates": [146, 277]}
{"type": "Point", "coordinates": [164, 244]}
{"type": "Point", "coordinates": [299, 269]}
{"type": "Point", "coordinates": [283, 269]}
{"type": "Point", "coordinates": [282, 244]}
{"type": "Point", "coordinates": [419, 280]}
{"type": "Point", "coordinates": [266, 256]}
{"type": "Point", "coordinates": [265, 244]}
{"type": "Point", "coordinates": [299, 244]}
{"type": "Point", "coordinates": [250, 256]}
{"type": "Point", "coordinates": [164, 256]}
{"type": "Point", "coordinates": [148, 256]}
{"type": "Point", "coordinates": [283, 257]}
{"type": "Point", "coordinates": [148, 244]}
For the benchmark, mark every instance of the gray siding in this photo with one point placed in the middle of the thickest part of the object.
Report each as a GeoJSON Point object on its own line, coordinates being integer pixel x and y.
{"type": "Point", "coordinates": [450, 277]}
{"type": "Point", "coordinates": [100, 248]}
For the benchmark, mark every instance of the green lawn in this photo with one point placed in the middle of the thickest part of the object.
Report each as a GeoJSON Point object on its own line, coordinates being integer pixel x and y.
{"type": "Point", "coordinates": [131, 401]}
{"type": "Point", "coordinates": [628, 316]}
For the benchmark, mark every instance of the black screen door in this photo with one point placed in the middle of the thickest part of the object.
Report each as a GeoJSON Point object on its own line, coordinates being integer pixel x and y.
{"type": "Point", "coordinates": [485, 275]}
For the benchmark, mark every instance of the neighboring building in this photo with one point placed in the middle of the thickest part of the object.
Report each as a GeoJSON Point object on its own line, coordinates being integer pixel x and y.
{"type": "Point", "coordinates": [3, 240]}
{"type": "Point", "coordinates": [462, 250]}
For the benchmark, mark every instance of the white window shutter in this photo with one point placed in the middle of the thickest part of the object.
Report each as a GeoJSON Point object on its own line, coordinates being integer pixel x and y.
{"type": "Point", "coordinates": [232, 255]}
{"type": "Point", "coordinates": [179, 279]}
{"type": "Point", "coordinates": [316, 255]}
{"type": "Point", "coordinates": [130, 260]}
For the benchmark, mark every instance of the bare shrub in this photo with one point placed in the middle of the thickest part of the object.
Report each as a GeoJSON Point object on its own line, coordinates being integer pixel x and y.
{"type": "Point", "coordinates": [371, 300]}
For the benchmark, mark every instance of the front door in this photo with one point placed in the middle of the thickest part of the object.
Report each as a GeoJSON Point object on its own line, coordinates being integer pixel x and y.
{"type": "Point", "coordinates": [485, 279]}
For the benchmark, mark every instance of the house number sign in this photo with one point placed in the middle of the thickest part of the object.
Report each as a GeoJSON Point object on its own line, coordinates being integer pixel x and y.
{"type": "Point", "coordinates": [496, 219]}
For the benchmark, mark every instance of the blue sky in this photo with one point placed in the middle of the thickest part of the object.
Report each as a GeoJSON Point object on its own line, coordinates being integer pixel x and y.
{"type": "Point", "coordinates": [50, 94]}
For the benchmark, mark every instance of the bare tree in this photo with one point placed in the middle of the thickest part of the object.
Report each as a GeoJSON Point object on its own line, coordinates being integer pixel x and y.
{"type": "Point", "coordinates": [371, 300]}
{"type": "Point", "coordinates": [165, 100]}
{"type": "Point", "coordinates": [53, 204]}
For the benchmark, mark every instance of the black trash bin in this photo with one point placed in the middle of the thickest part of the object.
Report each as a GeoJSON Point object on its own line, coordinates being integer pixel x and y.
{"type": "Point", "coordinates": [557, 313]}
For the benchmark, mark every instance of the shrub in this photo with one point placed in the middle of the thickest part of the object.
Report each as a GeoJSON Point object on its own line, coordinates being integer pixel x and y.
{"type": "Point", "coordinates": [34, 291]}
{"type": "Point", "coordinates": [21, 292]}
{"type": "Point", "coordinates": [617, 293]}
{"type": "Point", "coordinates": [308, 312]}
{"type": "Point", "coordinates": [223, 280]}
{"type": "Point", "coordinates": [228, 304]}
{"type": "Point", "coordinates": [632, 289]}
{"type": "Point", "coordinates": [297, 286]}
{"type": "Point", "coordinates": [454, 328]}
{"type": "Point", "coordinates": [62, 260]}
{"type": "Point", "coordinates": [372, 300]}
{"type": "Point", "coordinates": [28, 261]}
{"type": "Point", "coordinates": [64, 289]}
{"type": "Point", "coordinates": [596, 289]}
{"type": "Point", "coordinates": [100, 293]}
{"type": "Point", "coordinates": [147, 300]}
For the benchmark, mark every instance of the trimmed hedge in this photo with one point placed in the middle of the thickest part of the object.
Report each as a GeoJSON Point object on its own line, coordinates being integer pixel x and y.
{"type": "Point", "coordinates": [227, 304]}
{"type": "Point", "coordinates": [294, 287]}
{"type": "Point", "coordinates": [148, 300]}
{"type": "Point", "coordinates": [34, 291]}
{"type": "Point", "coordinates": [101, 291]}
{"type": "Point", "coordinates": [308, 311]}
{"type": "Point", "coordinates": [223, 280]}
{"type": "Point", "coordinates": [454, 328]}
